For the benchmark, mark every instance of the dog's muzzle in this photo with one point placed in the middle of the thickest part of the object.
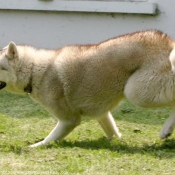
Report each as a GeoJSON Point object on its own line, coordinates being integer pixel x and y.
{"type": "Point", "coordinates": [2, 85]}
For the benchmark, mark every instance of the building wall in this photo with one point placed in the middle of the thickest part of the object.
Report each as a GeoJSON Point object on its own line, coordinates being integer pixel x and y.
{"type": "Point", "coordinates": [56, 29]}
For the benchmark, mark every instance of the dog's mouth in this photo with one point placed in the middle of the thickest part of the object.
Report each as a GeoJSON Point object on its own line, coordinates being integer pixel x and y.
{"type": "Point", "coordinates": [2, 85]}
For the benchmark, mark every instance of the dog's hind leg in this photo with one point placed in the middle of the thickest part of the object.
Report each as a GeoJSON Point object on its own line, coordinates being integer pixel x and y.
{"type": "Point", "coordinates": [168, 126]}
{"type": "Point", "coordinates": [61, 130]}
{"type": "Point", "coordinates": [108, 125]}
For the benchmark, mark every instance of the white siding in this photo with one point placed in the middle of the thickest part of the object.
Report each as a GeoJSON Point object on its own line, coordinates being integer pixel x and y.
{"type": "Point", "coordinates": [47, 29]}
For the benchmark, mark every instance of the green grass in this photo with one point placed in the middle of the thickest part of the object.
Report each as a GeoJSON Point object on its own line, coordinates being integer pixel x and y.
{"type": "Point", "coordinates": [86, 150]}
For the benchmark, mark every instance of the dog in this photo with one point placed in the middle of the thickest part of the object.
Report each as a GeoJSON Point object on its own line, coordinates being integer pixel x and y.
{"type": "Point", "coordinates": [90, 80]}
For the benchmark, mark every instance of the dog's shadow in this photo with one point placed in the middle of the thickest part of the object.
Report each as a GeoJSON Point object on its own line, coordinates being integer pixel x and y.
{"type": "Point", "coordinates": [165, 149]}
{"type": "Point", "coordinates": [121, 147]}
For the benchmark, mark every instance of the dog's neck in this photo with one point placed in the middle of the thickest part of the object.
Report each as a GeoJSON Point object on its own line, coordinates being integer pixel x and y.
{"type": "Point", "coordinates": [28, 88]}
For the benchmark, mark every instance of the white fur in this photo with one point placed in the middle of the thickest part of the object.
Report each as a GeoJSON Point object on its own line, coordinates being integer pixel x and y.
{"type": "Point", "coordinates": [172, 60]}
{"type": "Point", "coordinates": [168, 126]}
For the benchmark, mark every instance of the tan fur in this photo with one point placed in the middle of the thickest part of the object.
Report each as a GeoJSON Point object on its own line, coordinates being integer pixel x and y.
{"type": "Point", "coordinates": [91, 80]}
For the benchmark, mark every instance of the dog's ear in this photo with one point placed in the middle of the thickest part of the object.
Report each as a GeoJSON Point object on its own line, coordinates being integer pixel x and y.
{"type": "Point", "coordinates": [12, 51]}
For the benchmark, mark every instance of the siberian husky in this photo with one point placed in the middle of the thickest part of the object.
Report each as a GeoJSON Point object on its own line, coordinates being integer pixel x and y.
{"type": "Point", "coordinates": [90, 80]}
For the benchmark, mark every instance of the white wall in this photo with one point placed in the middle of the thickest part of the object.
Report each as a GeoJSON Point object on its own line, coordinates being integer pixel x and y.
{"type": "Point", "coordinates": [56, 29]}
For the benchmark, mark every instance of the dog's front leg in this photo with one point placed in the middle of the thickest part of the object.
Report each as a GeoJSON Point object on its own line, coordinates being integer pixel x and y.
{"type": "Point", "coordinates": [61, 130]}
{"type": "Point", "coordinates": [108, 125]}
{"type": "Point", "coordinates": [169, 126]}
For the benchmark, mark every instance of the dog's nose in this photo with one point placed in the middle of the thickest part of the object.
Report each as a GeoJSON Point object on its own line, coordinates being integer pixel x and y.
{"type": "Point", "coordinates": [2, 84]}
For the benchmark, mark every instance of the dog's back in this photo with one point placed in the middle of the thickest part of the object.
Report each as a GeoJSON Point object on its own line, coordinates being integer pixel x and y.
{"type": "Point", "coordinates": [95, 76]}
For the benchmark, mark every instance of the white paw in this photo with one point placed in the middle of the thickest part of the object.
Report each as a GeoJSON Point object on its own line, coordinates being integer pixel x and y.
{"type": "Point", "coordinates": [42, 143]}
{"type": "Point", "coordinates": [165, 133]}
{"type": "Point", "coordinates": [119, 135]}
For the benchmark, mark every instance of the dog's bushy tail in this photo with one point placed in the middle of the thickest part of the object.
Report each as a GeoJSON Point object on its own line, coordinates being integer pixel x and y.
{"type": "Point", "coordinates": [172, 60]}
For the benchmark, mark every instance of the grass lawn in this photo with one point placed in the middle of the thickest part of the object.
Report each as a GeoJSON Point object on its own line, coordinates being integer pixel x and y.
{"type": "Point", "coordinates": [86, 150]}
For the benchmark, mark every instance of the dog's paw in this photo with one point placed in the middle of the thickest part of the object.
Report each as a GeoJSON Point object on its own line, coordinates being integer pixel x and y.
{"type": "Point", "coordinates": [165, 134]}
{"type": "Point", "coordinates": [41, 143]}
{"type": "Point", "coordinates": [116, 135]}
{"type": "Point", "coordinates": [119, 135]}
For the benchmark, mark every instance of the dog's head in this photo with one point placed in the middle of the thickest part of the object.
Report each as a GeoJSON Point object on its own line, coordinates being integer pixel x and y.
{"type": "Point", "coordinates": [8, 57]}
